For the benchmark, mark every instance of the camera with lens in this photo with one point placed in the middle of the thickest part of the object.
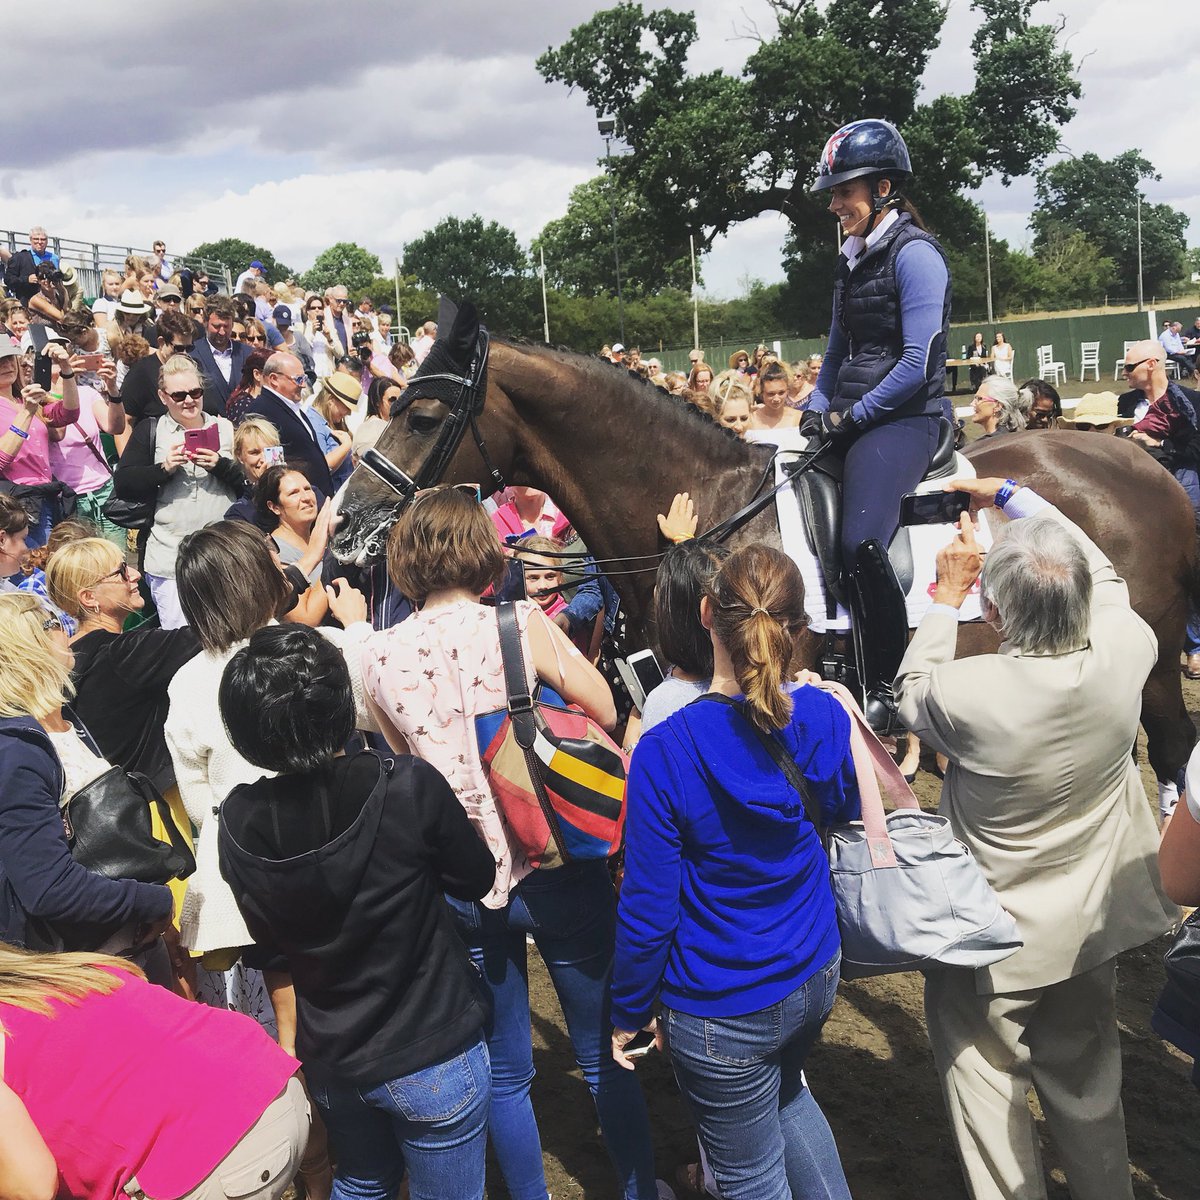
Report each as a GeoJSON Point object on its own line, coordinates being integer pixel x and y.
{"type": "Point", "coordinates": [47, 270]}
{"type": "Point", "coordinates": [362, 343]}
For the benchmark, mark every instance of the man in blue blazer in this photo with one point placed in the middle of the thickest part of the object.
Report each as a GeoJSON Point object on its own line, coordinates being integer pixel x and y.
{"type": "Point", "coordinates": [279, 403]}
{"type": "Point", "coordinates": [220, 358]}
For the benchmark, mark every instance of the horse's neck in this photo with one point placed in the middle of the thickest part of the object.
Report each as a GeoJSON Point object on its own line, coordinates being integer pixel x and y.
{"type": "Point", "coordinates": [614, 456]}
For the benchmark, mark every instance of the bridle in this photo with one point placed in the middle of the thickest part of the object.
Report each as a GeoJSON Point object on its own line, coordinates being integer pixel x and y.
{"type": "Point", "coordinates": [465, 407]}
{"type": "Point", "coordinates": [464, 414]}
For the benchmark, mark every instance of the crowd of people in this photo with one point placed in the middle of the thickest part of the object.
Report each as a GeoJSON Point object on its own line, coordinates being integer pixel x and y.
{"type": "Point", "coordinates": [338, 994]}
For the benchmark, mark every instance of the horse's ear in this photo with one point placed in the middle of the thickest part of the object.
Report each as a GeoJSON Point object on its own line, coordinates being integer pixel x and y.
{"type": "Point", "coordinates": [464, 333]}
{"type": "Point", "coordinates": [447, 311]}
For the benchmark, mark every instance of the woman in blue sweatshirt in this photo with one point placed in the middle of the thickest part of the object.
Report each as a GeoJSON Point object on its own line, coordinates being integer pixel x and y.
{"type": "Point", "coordinates": [727, 913]}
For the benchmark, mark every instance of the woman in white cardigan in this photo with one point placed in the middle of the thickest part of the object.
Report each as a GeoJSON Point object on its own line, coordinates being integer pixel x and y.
{"type": "Point", "coordinates": [230, 585]}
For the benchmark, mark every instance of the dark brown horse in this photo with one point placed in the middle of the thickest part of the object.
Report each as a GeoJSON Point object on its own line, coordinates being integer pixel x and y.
{"type": "Point", "coordinates": [613, 450]}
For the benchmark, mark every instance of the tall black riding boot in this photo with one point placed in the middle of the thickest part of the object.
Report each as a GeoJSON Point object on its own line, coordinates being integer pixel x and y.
{"type": "Point", "coordinates": [880, 631]}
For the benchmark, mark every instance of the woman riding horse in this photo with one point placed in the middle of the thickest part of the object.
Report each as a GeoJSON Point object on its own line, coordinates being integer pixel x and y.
{"type": "Point", "coordinates": [880, 396]}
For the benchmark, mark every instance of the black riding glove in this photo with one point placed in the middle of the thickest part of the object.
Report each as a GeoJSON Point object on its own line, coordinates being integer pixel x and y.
{"type": "Point", "coordinates": [810, 425]}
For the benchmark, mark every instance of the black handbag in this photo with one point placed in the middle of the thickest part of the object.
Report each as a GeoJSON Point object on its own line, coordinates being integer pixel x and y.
{"type": "Point", "coordinates": [1176, 1017]}
{"type": "Point", "coordinates": [108, 830]}
{"type": "Point", "coordinates": [129, 514]}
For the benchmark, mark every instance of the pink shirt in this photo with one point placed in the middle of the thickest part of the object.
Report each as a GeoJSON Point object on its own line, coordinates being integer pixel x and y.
{"type": "Point", "coordinates": [140, 1083]}
{"type": "Point", "coordinates": [433, 674]}
{"type": "Point", "coordinates": [31, 464]}
{"type": "Point", "coordinates": [550, 521]}
{"type": "Point", "coordinates": [70, 459]}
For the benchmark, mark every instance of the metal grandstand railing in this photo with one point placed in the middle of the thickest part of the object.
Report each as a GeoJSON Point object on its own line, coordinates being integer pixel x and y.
{"type": "Point", "coordinates": [91, 259]}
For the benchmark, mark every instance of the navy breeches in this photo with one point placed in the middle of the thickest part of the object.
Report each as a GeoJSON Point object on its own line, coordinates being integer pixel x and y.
{"type": "Point", "coordinates": [883, 463]}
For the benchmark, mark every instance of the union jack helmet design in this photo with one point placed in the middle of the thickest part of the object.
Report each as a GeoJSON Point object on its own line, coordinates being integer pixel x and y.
{"type": "Point", "coordinates": [867, 147]}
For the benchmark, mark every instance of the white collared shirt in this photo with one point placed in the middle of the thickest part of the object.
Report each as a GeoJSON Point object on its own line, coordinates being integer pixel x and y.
{"type": "Point", "coordinates": [297, 409]}
{"type": "Point", "coordinates": [854, 247]}
{"type": "Point", "coordinates": [223, 359]}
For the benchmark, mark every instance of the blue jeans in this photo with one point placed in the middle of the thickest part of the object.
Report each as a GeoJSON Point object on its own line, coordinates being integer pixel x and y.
{"type": "Point", "coordinates": [432, 1122]}
{"type": "Point", "coordinates": [571, 914]}
{"type": "Point", "coordinates": [765, 1136]}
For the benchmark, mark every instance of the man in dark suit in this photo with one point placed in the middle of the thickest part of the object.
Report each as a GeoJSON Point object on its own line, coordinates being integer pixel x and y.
{"type": "Point", "coordinates": [20, 275]}
{"type": "Point", "coordinates": [220, 358]}
{"type": "Point", "coordinates": [279, 402]}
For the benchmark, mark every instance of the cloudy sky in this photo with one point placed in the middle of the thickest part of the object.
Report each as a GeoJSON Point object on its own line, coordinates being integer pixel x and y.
{"type": "Point", "coordinates": [296, 126]}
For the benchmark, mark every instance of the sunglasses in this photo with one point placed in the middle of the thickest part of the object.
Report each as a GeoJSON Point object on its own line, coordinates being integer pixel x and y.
{"type": "Point", "coordinates": [184, 347]}
{"type": "Point", "coordinates": [121, 572]}
{"type": "Point", "coordinates": [196, 393]}
{"type": "Point", "coordinates": [52, 623]}
{"type": "Point", "coordinates": [256, 337]}
{"type": "Point", "coordinates": [1088, 427]}
{"type": "Point", "coordinates": [237, 337]}
{"type": "Point", "coordinates": [1132, 366]}
{"type": "Point", "coordinates": [471, 489]}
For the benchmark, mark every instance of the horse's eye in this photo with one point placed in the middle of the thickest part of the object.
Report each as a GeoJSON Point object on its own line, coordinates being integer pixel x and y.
{"type": "Point", "coordinates": [423, 423]}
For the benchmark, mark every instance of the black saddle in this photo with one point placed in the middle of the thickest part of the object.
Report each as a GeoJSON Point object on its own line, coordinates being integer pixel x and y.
{"type": "Point", "coordinates": [819, 493]}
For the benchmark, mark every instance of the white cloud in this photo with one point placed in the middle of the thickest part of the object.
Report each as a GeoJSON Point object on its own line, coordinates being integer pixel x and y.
{"type": "Point", "coordinates": [369, 122]}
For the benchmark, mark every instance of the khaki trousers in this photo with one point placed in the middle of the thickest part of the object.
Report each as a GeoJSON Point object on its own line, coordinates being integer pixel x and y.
{"type": "Point", "coordinates": [265, 1159]}
{"type": "Point", "coordinates": [1062, 1040]}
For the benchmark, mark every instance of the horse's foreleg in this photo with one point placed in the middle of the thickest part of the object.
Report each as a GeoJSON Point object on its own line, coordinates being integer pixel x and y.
{"type": "Point", "coordinates": [1170, 733]}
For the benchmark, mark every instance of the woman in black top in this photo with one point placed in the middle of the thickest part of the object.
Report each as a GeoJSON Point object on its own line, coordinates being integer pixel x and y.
{"type": "Point", "coordinates": [120, 678]}
{"type": "Point", "coordinates": [339, 864]}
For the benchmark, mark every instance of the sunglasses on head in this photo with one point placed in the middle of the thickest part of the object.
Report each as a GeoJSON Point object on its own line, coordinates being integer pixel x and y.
{"type": "Point", "coordinates": [1134, 366]}
{"type": "Point", "coordinates": [196, 393]}
{"type": "Point", "coordinates": [471, 489]}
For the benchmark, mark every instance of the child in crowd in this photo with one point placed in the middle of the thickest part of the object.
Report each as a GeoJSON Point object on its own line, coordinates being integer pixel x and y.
{"type": "Point", "coordinates": [544, 581]}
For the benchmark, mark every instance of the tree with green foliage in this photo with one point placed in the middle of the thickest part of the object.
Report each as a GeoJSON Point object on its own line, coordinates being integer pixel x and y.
{"type": "Point", "coordinates": [481, 262]}
{"type": "Point", "coordinates": [346, 263]}
{"type": "Point", "coordinates": [1098, 199]}
{"type": "Point", "coordinates": [579, 245]}
{"type": "Point", "coordinates": [238, 255]}
{"type": "Point", "coordinates": [713, 149]}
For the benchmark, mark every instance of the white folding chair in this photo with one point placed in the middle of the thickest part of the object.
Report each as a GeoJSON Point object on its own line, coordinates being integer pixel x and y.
{"type": "Point", "coordinates": [1089, 360]}
{"type": "Point", "coordinates": [1121, 361]}
{"type": "Point", "coordinates": [1056, 372]}
{"type": "Point", "coordinates": [1171, 367]}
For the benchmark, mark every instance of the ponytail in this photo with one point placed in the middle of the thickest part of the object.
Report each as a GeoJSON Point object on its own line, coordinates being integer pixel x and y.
{"type": "Point", "coordinates": [757, 602]}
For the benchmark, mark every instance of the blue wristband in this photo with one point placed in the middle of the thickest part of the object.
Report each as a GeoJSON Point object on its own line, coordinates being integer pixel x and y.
{"type": "Point", "coordinates": [21, 433]}
{"type": "Point", "coordinates": [1005, 492]}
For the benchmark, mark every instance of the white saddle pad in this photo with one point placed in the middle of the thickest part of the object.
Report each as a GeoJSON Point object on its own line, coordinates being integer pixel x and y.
{"type": "Point", "coordinates": [925, 540]}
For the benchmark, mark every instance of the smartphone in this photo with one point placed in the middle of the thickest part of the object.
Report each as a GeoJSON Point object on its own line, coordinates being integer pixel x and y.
{"type": "Point", "coordinates": [645, 670]}
{"type": "Point", "coordinates": [933, 508]}
{"type": "Point", "coordinates": [208, 438]}
{"type": "Point", "coordinates": [41, 372]}
{"type": "Point", "coordinates": [273, 456]}
{"type": "Point", "coordinates": [92, 362]}
{"type": "Point", "coordinates": [640, 1044]}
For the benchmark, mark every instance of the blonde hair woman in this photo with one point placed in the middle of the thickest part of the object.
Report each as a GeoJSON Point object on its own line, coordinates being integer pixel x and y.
{"type": "Point", "coordinates": [45, 896]}
{"type": "Point", "coordinates": [125, 1127]}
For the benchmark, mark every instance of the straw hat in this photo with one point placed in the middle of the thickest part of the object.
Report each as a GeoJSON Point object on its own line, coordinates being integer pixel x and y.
{"type": "Point", "coordinates": [134, 304]}
{"type": "Point", "coordinates": [343, 387]}
{"type": "Point", "coordinates": [1096, 409]}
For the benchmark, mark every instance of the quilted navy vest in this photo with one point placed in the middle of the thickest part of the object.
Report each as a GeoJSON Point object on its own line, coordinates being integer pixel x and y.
{"type": "Point", "coordinates": [866, 303]}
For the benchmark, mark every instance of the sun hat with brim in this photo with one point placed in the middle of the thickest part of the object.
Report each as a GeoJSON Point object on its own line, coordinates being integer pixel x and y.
{"type": "Point", "coordinates": [1096, 408]}
{"type": "Point", "coordinates": [9, 349]}
{"type": "Point", "coordinates": [169, 292]}
{"type": "Point", "coordinates": [344, 388]}
{"type": "Point", "coordinates": [133, 304]}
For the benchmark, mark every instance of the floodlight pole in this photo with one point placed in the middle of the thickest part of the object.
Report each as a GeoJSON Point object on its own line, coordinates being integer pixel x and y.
{"type": "Point", "coordinates": [607, 127]}
{"type": "Point", "coordinates": [987, 257]}
{"type": "Point", "coordinates": [545, 306]}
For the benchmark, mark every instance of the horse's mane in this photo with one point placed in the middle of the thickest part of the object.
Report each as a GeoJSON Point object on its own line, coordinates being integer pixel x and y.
{"type": "Point", "coordinates": [610, 377]}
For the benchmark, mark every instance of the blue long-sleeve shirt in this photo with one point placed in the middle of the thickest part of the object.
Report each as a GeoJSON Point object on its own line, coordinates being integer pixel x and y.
{"type": "Point", "coordinates": [726, 906]}
{"type": "Point", "coordinates": [921, 278]}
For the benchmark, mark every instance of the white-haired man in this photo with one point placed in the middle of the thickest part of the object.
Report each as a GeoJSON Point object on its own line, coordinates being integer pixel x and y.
{"type": "Point", "coordinates": [20, 276]}
{"type": "Point", "coordinates": [1043, 789]}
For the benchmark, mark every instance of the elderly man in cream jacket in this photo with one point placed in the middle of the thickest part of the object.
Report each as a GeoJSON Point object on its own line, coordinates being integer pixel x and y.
{"type": "Point", "coordinates": [1043, 789]}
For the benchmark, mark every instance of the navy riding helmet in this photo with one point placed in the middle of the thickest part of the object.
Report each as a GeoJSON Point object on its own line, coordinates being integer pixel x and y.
{"type": "Point", "coordinates": [869, 147]}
